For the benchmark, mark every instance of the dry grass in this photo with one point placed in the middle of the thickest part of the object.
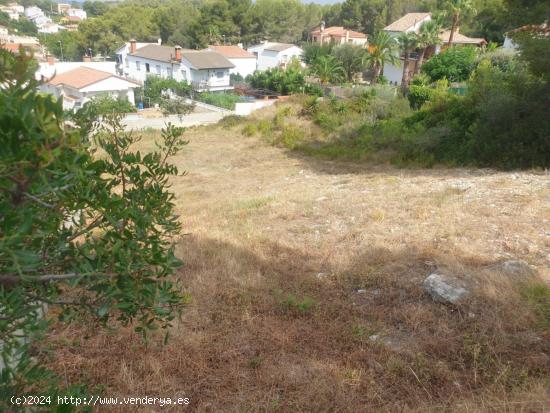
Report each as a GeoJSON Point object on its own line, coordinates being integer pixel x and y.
{"type": "Point", "coordinates": [295, 265]}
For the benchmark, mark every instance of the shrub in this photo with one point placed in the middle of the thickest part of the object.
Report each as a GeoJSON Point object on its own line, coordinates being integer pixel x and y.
{"type": "Point", "coordinates": [222, 100]}
{"type": "Point", "coordinates": [154, 87]}
{"type": "Point", "coordinates": [285, 82]}
{"type": "Point", "coordinates": [455, 64]}
{"type": "Point", "coordinates": [176, 106]}
{"type": "Point", "coordinates": [292, 136]}
{"type": "Point", "coordinates": [250, 130]}
{"type": "Point", "coordinates": [231, 121]}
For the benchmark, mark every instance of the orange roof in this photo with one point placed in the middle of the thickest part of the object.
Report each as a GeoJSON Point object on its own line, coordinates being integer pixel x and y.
{"type": "Point", "coordinates": [10, 47]}
{"type": "Point", "coordinates": [81, 77]}
{"type": "Point", "coordinates": [339, 31]}
{"type": "Point", "coordinates": [231, 51]}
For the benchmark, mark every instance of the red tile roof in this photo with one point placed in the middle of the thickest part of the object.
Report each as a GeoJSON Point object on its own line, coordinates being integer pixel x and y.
{"type": "Point", "coordinates": [81, 77]}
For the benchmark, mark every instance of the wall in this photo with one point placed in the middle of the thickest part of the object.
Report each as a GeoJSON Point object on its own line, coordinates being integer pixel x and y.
{"type": "Point", "coordinates": [140, 75]}
{"type": "Point", "coordinates": [394, 73]}
{"type": "Point", "coordinates": [246, 108]}
{"type": "Point", "coordinates": [244, 66]}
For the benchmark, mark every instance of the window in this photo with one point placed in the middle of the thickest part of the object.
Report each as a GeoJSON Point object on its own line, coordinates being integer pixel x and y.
{"type": "Point", "coordinates": [169, 72]}
{"type": "Point", "coordinates": [147, 67]}
{"type": "Point", "coordinates": [219, 75]}
{"type": "Point", "coordinates": [184, 74]}
{"type": "Point", "coordinates": [138, 66]}
{"type": "Point", "coordinates": [158, 69]}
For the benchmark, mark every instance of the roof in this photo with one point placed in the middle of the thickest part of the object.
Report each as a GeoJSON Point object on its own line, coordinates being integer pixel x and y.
{"type": "Point", "coordinates": [278, 47]}
{"type": "Point", "coordinates": [539, 29]}
{"type": "Point", "coordinates": [11, 47]}
{"type": "Point", "coordinates": [459, 38]}
{"type": "Point", "coordinates": [339, 31]}
{"type": "Point", "coordinates": [81, 77]}
{"type": "Point", "coordinates": [406, 22]}
{"type": "Point", "coordinates": [207, 60]}
{"type": "Point", "coordinates": [231, 52]}
{"type": "Point", "coordinates": [156, 52]}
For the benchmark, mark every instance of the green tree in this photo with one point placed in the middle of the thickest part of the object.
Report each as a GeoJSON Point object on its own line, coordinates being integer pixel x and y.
{"type": "Point", "coordinates": [428, 36]}
{"type": "Point", "coordinates": [312, 51]}
{"type": "Point", "coordinates": [352, 59]}
{"type": "Point", "coordinates": [383, 49]}
{"type": "Point", "coordinates": [455, 64]}
{"type": "Point", "coordinates": [328, 69]}
{"type": "Point", "coordinates": [458, 8]}
{"type": "Point", "coordinates": [92, 235]}
{"type": "Point", "coordinates": [407, 43]}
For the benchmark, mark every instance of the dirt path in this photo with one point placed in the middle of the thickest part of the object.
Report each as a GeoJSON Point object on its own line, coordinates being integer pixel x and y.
{"type": "Point", "coordinates": [305, 278]}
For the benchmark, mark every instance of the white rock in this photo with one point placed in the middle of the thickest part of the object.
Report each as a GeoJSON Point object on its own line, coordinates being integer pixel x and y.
{"type": "Point", "coordinates": [444, 289]}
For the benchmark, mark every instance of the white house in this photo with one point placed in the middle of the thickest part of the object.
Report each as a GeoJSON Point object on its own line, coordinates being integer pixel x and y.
{"type": "Point", "coordinates": [337, 35]}
{"type": "Point", "coordinates": [272, 55]}
{"type": "Point", "coordinates": [49, 28]}
{"type": "Point", "coordinates": [152, 59]}
{"type": "Point", "coordinates": [409, 23]}
{"type": "Point", "coordinates": [206, 70]}
{"type": "Point", "coordinates": [82, 84]}
{"type": "Point", "coordinates": [13, 10]}
{"type": "Point", "coordinates": [81, 14]}
{"type": "Point", "coordinates": [244, 62]}
{"type": "Point", "coordinates": [33, 12]}
{"type": "Point", "coordinates": [47, 70]}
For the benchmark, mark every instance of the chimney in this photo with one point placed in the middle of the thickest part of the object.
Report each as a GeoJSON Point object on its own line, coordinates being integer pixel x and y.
{"type": "Point", "coordinates": [240, 45]}
{"type": "Point", "coordinates": [86, 58]}
{"type": "Point", "coordinates": [50, 60]}
{"type": "Point", "coordinates": [178, 53]}
{"type": "Point", "coordinates": [133, 45]}
{"type": "Point", "coordinates": [347, 36]}
{"type": "Point", "coordinates": [159, 42]}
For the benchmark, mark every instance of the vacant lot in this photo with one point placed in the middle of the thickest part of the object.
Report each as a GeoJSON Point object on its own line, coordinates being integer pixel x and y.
{"type": "Point", "coordinates": [305, 279]}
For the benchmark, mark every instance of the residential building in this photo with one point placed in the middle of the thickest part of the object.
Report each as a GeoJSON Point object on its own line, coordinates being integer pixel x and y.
{"type": "Point", "coordinates": [62, 8]}
{"type": "Point", "coordinates": [536, 29]}
{"type": "Point", "coordinates": [337, 35]}
{"type": "Point", "coordinates": [81, 14]}
{"type": "Point", "coordinates": [82, 84]}
{"type": "Point", "coordinates": [206, 70]}
{"type": "Point", "coordinates": [50, 68]}
{"type": "Point", "coordinates": [49, 28]}
{"type": "Point", "coordinates": [244, 61]}
{"type": "Point", "coordinates": [270, 55]}
{"type": "Point", "coordinates": [13, 10]}
{"type": "Point", "coordinates": [3, 31]}
{"type": "Point", "coordinates": [33, 12]}
{"type": "Point", "coordinates": [410, 23]}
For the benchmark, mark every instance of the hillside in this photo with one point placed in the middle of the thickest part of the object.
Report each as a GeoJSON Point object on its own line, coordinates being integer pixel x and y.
{"type": "Point", "coordinates": [306, 285]}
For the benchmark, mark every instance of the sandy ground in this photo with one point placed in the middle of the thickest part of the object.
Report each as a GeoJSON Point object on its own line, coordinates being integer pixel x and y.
{"type": "Point", "coordinates": [294, 264]}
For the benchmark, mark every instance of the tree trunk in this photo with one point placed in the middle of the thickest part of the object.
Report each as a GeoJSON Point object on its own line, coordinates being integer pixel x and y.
{"type": "Point", "coordinates": [453, 29]}
{"type": "Point", "coordinates": [376, 74]}
{"type": "Point", "coordinates": [405, 79]}
{"type": "Point", "coordinates": [420, 61]}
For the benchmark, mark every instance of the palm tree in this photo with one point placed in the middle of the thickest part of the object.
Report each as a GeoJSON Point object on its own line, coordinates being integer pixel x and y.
{"type": "Point", "coordinates": [428, 36]}
{"type": "Point", "coordinates": [382, 50]}
{"type": "Point", "coordinates": [458, 8]}
{"type": "Point", "coordinates": [408, 42]}
{"type": "Point", "coordinates": [328, 69]}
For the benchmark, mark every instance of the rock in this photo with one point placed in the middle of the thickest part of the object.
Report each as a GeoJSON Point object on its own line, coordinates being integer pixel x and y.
{"type": "Point", "coordinates": [361, 291]}
{"type": "Point", "coordinates": [321, 275]}
{"type": "Point", "coordinates": [444, 289]}
{"type": "Point", "coordinates": [515, 269]}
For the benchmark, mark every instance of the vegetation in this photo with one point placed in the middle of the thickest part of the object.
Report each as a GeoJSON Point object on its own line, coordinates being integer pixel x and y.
{"type": "Point", "coordinates": [222, 100]}
{"type": "Point", "coordinates": [91, 237]}
{"type": "Point", "coordinates": [154, 88]}
{"type": "Point", "coordinates": [286, 82]}
{"type": "Point", "coordinates": [382, 51]}
{"type": "Point", "coordinates": [328, 69]}
{"type": "Point", "coordinates": [176, 106]}
{"type": "Point", "coordinates": [455, 64]}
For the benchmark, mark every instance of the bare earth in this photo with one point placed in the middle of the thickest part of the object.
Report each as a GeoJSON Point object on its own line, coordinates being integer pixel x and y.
{"type": "Point", "coordinates": [305, 282]}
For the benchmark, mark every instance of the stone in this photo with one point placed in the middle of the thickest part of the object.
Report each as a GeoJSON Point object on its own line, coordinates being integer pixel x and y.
{"type": "Point", "coordinates": [444, 289]}
{"type": "Point", "coordinates": [515, 269]}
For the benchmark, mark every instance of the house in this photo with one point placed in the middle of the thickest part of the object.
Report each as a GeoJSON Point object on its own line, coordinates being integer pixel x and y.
{"type": "Point", "coordinates": [244, 61]}
{"type": "Point", "coordinates": [410, 23]}
{"type": "Point", "coordinates": [33, 12]}
{"type": "Point", "coordinates": [206, 70]}
{"type": "Point", "coordinates": [13, 10]}
{"type": "Point", "coordinates": [152, 59]}
{"type": "Point", "coordinates": [62, 8]}
{"type": "Point", "coordinates": [50, 68]}
{"type": "Point", "coordinates": [81, 14]}
{"type": "Point", "coordinates": [270, 55]}
{"type": "Point", "coordinates": [337, 35]}
{"type": "Point", "coordinates": [49, 28]}
{"type": "Point", "coordinates": [80, 85]}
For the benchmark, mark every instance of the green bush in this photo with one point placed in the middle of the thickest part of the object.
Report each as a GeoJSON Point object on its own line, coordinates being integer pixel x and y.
{"type": "Point", "coordinates": [155, 86]}
{"type": "Point", "coordinates": [250, 130]}
{"type": "Point", "coordinates": [176, 106]}
{"type": "Point", "coordinates": [222, 100]}
{"type": "Point", "coordinates": [454, 64]}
